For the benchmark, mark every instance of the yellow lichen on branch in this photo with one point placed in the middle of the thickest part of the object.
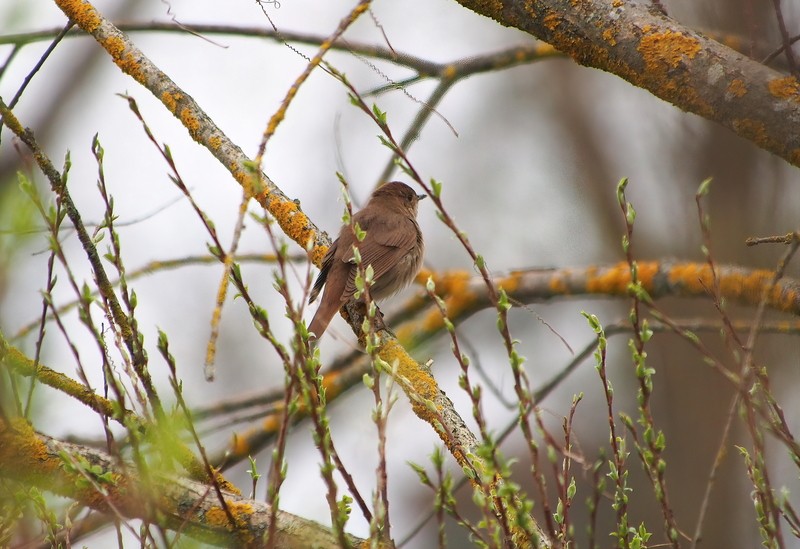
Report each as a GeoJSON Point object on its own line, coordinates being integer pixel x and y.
{"type": "Point", "coordinates": [612, 281]}
{"type": "Point", "coordinates": [785, 88]}
{"type": "Point", "coordinates": [737, 88]}
{"type": "Point", "coordinates": [82, 13]}
{"type": "Point", "coordinates": [663, 51]}
{"type": "Point", "coordinates": [219, 517]}
{"type": "Point", "coordinates": [295, 224]}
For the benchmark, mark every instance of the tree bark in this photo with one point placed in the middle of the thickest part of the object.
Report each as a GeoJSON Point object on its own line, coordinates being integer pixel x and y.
{"type": "Point", "coordinates": [640, 44]}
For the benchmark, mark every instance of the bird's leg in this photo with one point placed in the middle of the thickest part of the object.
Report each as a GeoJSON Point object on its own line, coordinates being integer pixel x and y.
{"type": "Point", "coordinates": [379, 323]}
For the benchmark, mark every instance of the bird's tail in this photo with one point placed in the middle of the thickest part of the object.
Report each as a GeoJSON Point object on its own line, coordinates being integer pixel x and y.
{"type": "Point", "coordinates": [323, 317]}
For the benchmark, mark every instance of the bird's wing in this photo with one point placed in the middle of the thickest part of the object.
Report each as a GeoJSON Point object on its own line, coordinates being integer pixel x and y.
{"type": "Point", "coordinates": [386, 243]}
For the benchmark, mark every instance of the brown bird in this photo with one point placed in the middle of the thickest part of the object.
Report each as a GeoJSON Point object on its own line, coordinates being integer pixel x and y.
{"type": "Point", "coordinates": [393, 246]}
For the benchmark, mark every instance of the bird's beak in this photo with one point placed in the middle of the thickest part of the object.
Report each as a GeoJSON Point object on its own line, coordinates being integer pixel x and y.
{"type": "Point", "coordinates": [421, 196]}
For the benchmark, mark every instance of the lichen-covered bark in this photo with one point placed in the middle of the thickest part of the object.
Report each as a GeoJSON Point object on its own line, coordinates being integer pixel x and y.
{"type": "Point", "coordinates": [677, 64]}
{"type": "Point", "coordinates": [96, 480]}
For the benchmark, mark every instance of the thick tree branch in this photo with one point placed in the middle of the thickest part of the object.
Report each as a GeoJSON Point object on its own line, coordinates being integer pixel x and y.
{"type": "Point", "coordinates": [96, 480]}
{"type": "Point", "coordinates": [673, 62]}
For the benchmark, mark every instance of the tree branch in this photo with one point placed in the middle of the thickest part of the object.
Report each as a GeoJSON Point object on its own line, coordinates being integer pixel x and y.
{"type": "Point", "coordinates": [675, 63]}
{"type": "Point", "coordinates": [96, 480]}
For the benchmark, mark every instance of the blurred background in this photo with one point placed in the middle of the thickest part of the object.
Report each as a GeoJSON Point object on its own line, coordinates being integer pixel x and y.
{"type": "Point", "coordinates": [530, 176]}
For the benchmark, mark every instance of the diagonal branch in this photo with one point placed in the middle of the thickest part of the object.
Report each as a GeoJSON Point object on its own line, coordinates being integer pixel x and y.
{"type": "Point", "coordinates": [673, 62]}
{"type": "Point", "coordinates": [132, 61]}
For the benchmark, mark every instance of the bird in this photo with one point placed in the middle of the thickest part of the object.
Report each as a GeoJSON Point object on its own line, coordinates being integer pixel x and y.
{"type": "Point", "coordinates": [393, 245]}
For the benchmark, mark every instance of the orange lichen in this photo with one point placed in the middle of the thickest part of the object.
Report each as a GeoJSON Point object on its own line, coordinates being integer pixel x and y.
{"type": "Point", "coordinates": [748, 286]}
{"type": "Point", "coordinates": [18, 443]}
{"type": "Point", "coordinates": [455, 286]}
{"type": "Point", "coordinates": [171, 100]}
{"type": "Point", "coordinates": [663, 51]}
{"type": "Point", "coordinates": [608, 36]}
{"type": "Point", "coordinates": [737, 87]}
{"type": "Point", "coordinates": [224, 483]}
{"type": "Point", "coordinates": [743, 286]}
{"type": "Point", "coordinates": [331, 382]}
{"type": "Point", "coordinates": [787, 300]}
{"type": "Point", "coordinates": [251, 184]}
{"type": "Point", "coordinates": [557, 285]}
{"type": "Point", "coordinates": [613, 281]}
{"type": "Point", "coordinates": [217, 517]}
{"type": "Point", "coordinates": [125, 60]}
{"type": "Point", "coordinates": [317, 254]}
{"type": "Point", "coordinates": [422, 383]}
{"type": "Point", "coordinates": [646, 271]}
{"type": "Point", "coordinates": [11, 121]}
{"type": "Point", "coordinates": [241, 177]}
{"type": "Point", "coordinates": [295, 224]}
{"type": "Point", "coordinates": [490, 8]}
{"type": "Point", "coordinates": [131, 65]}
{"type": "Point", "coordinates": [552, 21]}
{"type": "Point", "coordinates": [271, 423]}
{"type": "Point", "coordinates": [215, 142]}
{"type": "Point", "coordinates": [753, 129]}
{"type": "Point", "coordinates": [510, 283]}
{"type": "Point", "coordinates": [190, 122]}
{"type": "Point", "coordinates": [784, 88]}
{"type": "Point", "coordinates": [115, 46]}
{"type": "Point", "coordinates": [693, 276]}
{"type": "Point", "coordinates": [95, 498]}
{"type": "Point", "coordinates": [423, 275]}
{"type": "Point", "coordinates": [24, 454]}
{"type": "Point", "coordinates": [82, 13]}
{"type": "Point", "coordinates": [449, 71]}
{"type": "Point", "coordinates": [241, 446]}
